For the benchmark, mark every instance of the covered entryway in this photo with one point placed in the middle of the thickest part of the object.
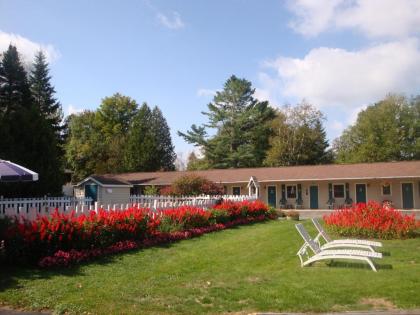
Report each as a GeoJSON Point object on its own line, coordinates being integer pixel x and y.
{"type": "Point", "coordinates": [360, 193]}
{"type": "Point", "coordinates": [253, 187]}
{"type": "Point", "coordinates": [407, 195]}
{"type": "Point", "coordinates": [313, 195]}
{"type": "Point", "coordinates": [272, 195]}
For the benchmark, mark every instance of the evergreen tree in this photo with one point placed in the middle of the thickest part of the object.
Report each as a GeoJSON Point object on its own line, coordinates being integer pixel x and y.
{"type": "Point", "coordinates": [43, 94]}
{"type": "Point", "coordinates": [140, 152]}
{"type": "Point", "coordinates": [242, 127]}
{"type": "Point", "coordinates": [27, 137]}
{"type": "Point", "coordinates": [298, 137]}
{"type": "Point", "coordinates": [165, 154]}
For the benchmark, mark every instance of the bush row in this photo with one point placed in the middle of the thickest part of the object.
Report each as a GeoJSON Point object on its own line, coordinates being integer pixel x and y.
{"type": "Point", "coordinates": [372, 220]}
{"type": "Point", "coordinates": [105, 231]}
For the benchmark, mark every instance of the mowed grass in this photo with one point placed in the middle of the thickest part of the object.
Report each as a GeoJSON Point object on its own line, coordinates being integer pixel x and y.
{"type": "Point", "coordinates": [246, 269]}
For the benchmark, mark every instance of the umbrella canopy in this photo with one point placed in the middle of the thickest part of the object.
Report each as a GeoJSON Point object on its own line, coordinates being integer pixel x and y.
{"type": "Point", "coordinates": [11, 172]}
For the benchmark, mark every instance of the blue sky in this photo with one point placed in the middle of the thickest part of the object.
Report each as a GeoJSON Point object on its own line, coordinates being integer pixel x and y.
{"type": "Point", "coordinates": [340, 55]}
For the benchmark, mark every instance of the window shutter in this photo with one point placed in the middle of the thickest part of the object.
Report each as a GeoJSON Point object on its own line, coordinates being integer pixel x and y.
{"type": "Point", "coordinates": [330, 191]}
{"type": "Point", "coordinates": [299, 191]}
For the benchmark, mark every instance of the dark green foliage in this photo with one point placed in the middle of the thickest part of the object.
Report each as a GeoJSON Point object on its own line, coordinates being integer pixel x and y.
{"type": "Point", "coordinates": [81, 146]}
{"type": "Point", "coordinates": [112, 123]}
{"type": "Point", "coordinates": [385, 131]}
{"type": "Point", "coordinates": [164, 155]}
{"type": "Point", "coordinates": [118, 137]}
{"type": "Point", "coordinates": [242, 127]}
{"type": "Point", "coordinates": [298, 137]}
{"type": "Point", "coordinates": [43, 94]}
{"type": "Point", "coordinates": [27, 137]}
{"type": "Point", "coordinates": [141, 144]}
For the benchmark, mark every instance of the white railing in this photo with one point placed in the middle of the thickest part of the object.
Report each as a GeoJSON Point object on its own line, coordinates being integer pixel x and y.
{"type": "Point", "coordinates": [31, 207]}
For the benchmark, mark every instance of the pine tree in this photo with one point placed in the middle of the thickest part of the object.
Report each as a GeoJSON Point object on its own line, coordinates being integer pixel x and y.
{"type": "Point", "coordinates": [165, 153]}
{"type": "Point", "coordinates": [27, 137]}
{"type": "Point", "coordinates": [43, 94]}
{"type": "Point", "coordinates": [242, 127]}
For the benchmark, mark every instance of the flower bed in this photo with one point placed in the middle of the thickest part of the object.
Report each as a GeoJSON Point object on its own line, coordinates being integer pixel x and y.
{"type": "Point", "coordinates": [372, 220]}
{"type": "Point", "coordinates": [65, 239]}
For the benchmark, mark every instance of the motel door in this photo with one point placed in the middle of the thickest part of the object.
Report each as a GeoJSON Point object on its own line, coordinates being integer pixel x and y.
{"type": "Point", "coordinates": [407, 195]}
{"type": "Point", "coordinates": [360, 193]}
{"type": "Point", "coordinates": [272, 198]}
{"type": "Point", "coordinates": [313, 192]}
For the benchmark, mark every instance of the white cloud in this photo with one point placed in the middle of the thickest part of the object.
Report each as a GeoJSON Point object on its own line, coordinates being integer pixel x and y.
{"type": "Point", "coordinates": [173, 21]}
{"type": "Point", "coordinates": [374, 18]}
{"type": "Point", "coordinates": [71, 109]}
{"type": "Point", "coordinates": [27, 48]}
{"type": "Point", "coordinates": [206, 92]}
{"type": "Point", "coordinates": [338, 77]}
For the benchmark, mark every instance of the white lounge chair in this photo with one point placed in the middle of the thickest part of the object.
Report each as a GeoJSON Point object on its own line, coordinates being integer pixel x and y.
{"type": "Point", "coordinates": [349, 243]}
{"type": "Point", "coordinates": [328, 254]}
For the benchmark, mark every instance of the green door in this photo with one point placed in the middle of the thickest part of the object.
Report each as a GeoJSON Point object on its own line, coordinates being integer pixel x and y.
{"type": "Point", "coordinates": [272, 197]}
{"type": "Point", "coordinates": [313, 192]}
{"type": "Point", "coordinates": [360, 193]}
{"type": "Point", "coordinates": [91, 190]}
{"type": "Point", "coordinates": [407, 195]}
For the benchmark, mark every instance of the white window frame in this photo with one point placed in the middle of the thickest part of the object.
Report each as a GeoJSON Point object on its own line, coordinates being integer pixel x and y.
{"type": "Point", "coordinates": [296, 194]}
{"type": "Point", "coordinates": [344, 191]}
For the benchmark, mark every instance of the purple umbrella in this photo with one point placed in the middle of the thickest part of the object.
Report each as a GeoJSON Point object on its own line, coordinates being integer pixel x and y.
{"type": "Point", "coordinates": [11, 172]}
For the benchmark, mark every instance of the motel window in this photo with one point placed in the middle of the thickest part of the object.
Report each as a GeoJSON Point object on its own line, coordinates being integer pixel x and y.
{"type": "Point", "coordinates": [291, 192]}
{"type": "Point", "coordinates": [386, 189]}
{"type": "Point", "coordinates": [236, 191]}
{"type": "Point", "coordinates": [339, 191]}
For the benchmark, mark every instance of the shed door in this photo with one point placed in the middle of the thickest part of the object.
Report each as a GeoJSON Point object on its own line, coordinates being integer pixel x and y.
{"type": "Point", "coordinates": [407, 195]}
{"type": "Point", "coordinates": [91, 190]}
{"type": "Point", "coordinates": [272, 196]}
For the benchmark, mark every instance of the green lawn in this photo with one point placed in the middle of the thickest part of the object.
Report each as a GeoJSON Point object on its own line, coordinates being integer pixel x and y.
{"type": "Point", "coordinates": [246, 269]}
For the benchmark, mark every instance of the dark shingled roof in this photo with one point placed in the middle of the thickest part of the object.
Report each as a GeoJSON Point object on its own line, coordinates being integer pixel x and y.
{"type": "Point", "coordinates": [409, 169]}
{"type": "Point", "coordinates": [109, 179]}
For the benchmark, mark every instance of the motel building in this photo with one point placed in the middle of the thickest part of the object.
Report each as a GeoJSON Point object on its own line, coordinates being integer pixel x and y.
{"type": "Point", "coordinates": [294, 187]}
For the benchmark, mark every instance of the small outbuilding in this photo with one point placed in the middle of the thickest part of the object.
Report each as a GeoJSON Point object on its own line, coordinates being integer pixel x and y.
{"type": "Point", "coordinates": [104, 189]}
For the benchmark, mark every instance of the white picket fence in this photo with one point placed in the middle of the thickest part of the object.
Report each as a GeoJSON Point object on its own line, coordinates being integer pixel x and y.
{"type": "Point", "coordinates": [30, 208]}
{"type": "Point", "coordinates": [170, 202]}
